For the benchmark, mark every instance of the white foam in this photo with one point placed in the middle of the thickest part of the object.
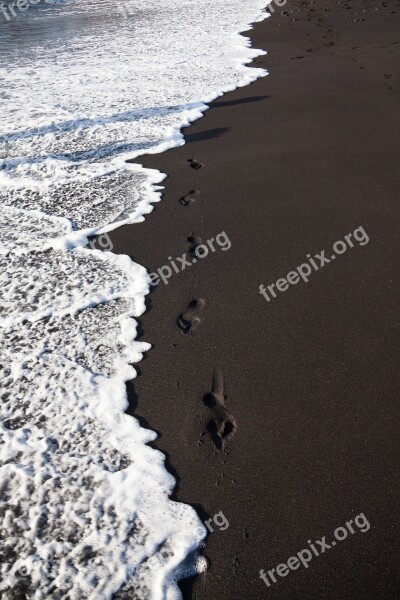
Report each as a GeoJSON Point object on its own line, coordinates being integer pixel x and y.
{"type": "Point", "coordinates": [84, 500]}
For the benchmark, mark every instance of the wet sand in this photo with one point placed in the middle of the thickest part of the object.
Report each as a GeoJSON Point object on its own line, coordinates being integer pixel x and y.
{"type": "Point", "coordinates": [308, 382]}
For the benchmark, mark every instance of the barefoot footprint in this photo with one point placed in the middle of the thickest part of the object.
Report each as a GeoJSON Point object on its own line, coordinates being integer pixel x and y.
{"type": "Point", "coordinates": [193, 243]}
{"type": "Point", "coordinates": [220, 423]}
{"type": "Point", "coordinates": [190, 197]}
{"type": "Point", "coordinates": [190, 320]}
{"type": "Point", "coordinates": [195, 164]}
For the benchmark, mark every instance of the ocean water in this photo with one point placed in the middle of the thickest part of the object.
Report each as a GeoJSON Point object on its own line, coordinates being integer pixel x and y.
{"type": "Point", "coordinates": [85, 85]}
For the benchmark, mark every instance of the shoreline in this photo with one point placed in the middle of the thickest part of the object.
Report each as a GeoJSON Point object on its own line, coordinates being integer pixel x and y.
{"type": "Point", "coordinates": [308, 384]}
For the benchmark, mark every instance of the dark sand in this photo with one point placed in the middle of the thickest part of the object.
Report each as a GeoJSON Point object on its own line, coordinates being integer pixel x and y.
{"type": "Point", "coordinates": [291, 164]}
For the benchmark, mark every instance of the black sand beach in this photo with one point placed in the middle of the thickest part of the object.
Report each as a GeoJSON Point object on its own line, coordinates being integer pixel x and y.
{"type": "Point", "coordinates": [310, 380]}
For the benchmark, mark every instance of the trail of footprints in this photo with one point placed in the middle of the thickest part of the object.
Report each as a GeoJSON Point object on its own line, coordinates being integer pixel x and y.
{"type": "Point", "coordinates": [219, 424]}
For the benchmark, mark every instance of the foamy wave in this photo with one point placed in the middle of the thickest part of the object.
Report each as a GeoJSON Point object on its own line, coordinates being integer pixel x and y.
{"type": "Point", "coordinates": [85, 502]}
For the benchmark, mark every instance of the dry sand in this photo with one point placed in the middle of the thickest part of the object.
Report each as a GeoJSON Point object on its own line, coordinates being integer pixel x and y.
{"type": "Point", "coordinates": [310, 380]}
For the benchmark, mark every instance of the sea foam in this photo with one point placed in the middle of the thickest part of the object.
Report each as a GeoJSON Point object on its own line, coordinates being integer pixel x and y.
{"type": "Point", "coordinates": [84, 500]}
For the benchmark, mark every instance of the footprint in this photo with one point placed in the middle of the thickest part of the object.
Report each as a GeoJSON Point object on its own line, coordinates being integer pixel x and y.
{"type": "Point", "coordinates": [190, 320]}
{"type": "Point", "coordinates": [190, 197]}
{"type": "Point", "coordinates": [195, 164]}
{"type": "Point", "coordinates": [236, 565]}
{"type": "Point", "coordinates": [220, 423]}
{"type": "Point", "coordinates": [193, 243]}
